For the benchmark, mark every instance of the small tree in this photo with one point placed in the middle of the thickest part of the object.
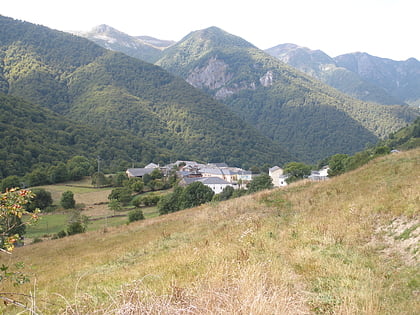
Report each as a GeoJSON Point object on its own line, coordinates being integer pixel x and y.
{"type": "Point", "coordinates": [114, 205]}
{"type": "Point", "coordinates": [260, 182]}
{"type": "Point", "coordinates": [226, 193]}
{"type": "Point", "coordinates": [119, 179]}
{"type": "Point", "coordinates": [42, 199]}
{"type": "Point", "coordinates": [296, 171]}
{"type": "Point", "coordinates": [67, 200]}
{"type": "Point", "coordinates": [77, 223]}
{"type": "Point", "coordinates": [99, 179]}
{"type": "Point", "coordinates": [170, 202]}
{"type": "Point", "coordinates": [338, 164]}
{"type": "Point", "coordinates": [122, 194]}
{"type": "Point", "coordinates": [12, 208]}
{"type": "Point", "coordinates": [135, 184]}
{"type": "Point", "coordinates": [135, 215]}
{"type": "Point", "coordinates": [196, 194]}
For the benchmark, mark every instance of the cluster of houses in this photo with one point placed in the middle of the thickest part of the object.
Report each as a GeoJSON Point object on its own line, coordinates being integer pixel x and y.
{"type": "Point", "coordinates": [217, 176]}
{"type": "Point", "coordinates": [279, 178]}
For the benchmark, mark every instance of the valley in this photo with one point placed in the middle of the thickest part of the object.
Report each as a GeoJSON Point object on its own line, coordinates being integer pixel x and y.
{"type": "Point", "coordinates": [308, 248]}
{"type": "Point", "coordinates": [85, 114]}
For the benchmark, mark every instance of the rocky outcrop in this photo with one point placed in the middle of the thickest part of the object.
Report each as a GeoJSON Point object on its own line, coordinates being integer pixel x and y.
{"type": "Point", "coordinates": [213, 76]}
{"type": "Point", "coordinates": [267, 79]}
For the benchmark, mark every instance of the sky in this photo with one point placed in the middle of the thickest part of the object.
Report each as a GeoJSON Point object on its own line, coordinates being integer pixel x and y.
{"type": "Point", "coordinates": [383, 28]}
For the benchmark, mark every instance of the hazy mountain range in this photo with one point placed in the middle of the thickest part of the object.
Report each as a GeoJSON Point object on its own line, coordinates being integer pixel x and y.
{"type": "Point", "coordinates": [359, 75]}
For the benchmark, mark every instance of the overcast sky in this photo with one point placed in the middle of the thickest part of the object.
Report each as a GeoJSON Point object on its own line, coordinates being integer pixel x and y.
{"type": "Point", "coordinates": [384, 28]}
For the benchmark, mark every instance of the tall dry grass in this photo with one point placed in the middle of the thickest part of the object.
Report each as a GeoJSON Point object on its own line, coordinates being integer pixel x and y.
{"type": "Point", "coordinates": [310, 248]}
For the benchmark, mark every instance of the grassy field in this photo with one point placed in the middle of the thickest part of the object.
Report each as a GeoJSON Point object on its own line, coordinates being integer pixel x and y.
{"type": "Point", "coordinates": [345, 246]}
{"type": "Point", "coordinates": [91, 200]}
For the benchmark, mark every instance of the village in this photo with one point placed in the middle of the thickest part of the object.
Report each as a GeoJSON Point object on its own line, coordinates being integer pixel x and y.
{"type": "Point", "coordinates": [218, 176]}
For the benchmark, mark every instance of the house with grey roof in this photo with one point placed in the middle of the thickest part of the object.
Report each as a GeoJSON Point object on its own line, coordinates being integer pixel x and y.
{"type": "Point", "coordinates": [138, 172]}
{"type": "Point", "coordinates": [215, 183]}
{"type": "Point", "coordinates": [319, 175]}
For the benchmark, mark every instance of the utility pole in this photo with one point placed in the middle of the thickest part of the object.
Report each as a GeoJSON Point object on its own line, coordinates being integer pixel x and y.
{"type": "Point", "coordinates": [97, 176]}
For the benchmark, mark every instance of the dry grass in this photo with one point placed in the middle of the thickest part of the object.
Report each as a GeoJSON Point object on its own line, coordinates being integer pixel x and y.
{"type": "Point", "coordinates": [306, 249]}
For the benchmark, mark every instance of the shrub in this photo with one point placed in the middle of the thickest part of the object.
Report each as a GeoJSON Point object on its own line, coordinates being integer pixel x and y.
{"type": "Point", "coordinates": [37, 240]}
{"type": "Point", "coordinates": [67, 200]}
{"type": "Point", "coordinates": [61, 234]}
{"type": "Point", "coordinates": [122, 194]}
{"type": "Point", "coordinates": [135, 215]}
{"type": "Point", "coordinates": [75, 228]}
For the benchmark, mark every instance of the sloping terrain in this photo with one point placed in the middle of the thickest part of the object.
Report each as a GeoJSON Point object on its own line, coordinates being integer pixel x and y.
{"type": "Point", "coordinates": [311, 248]}
{"type": "Point", "coordinates": [401, 79]}
{"type": "Point", "coordinates": [310, 118]}
{"type": "Point", "coordinates": [33, 136]}
{"type": "Point", "coordinates": [91, 85]}
{"type": "Point", "coordinates": [325, 68]}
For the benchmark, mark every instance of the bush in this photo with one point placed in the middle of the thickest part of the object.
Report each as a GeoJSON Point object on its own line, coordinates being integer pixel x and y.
{"type": "Point", "coordinates": [75, 228]}
{"type": "Point", "coordinates": [260, 182]}
{"type": "Point", "coordinates": [61, 234]}
{"type": "Point", "coordinates": [67, 200]}
{"type": "Point", "coordinates": [37, 240]}
{"type": "Point", "coordinates": [42, 200]}
{"type": "Point", "coordinates": [135, 215]}
{"type": "Point", "coordinates": [122, 194]}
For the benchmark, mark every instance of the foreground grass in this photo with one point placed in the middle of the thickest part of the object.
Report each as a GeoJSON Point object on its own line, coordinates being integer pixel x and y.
{"type": "Point", "coordinates": [311, 248]}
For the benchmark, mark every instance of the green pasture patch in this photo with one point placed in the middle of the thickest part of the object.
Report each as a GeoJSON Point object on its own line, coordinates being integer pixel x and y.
{"type": "Point", "coordinates": [47, 225]}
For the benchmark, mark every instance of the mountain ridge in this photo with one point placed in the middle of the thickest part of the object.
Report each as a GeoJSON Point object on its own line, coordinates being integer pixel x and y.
{"type": "Point", "coordinates": [91, 85]}
{"type": "Point", "coordinates": [281, 102]}
{"type": "Point", "coordinates": [354, 73]}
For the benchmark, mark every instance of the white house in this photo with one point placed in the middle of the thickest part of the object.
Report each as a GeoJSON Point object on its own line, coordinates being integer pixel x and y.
{"type": "Point", "coordinates": [322, 174]}
{"type": "Point", "coordinates": [215, 183]}
{"type": "Point", "coordinates": [276, 174]}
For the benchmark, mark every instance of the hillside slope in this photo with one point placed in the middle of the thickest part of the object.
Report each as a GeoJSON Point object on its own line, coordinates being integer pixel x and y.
{"type": "Point", "coordinates": [33, 136]}
{"type": "Point", "coordinates": [310, 118]}
{"type": "Point", "coordinates": [91, 85]}
{"type": "Point", "coordinates": [325, 68]}
{"type": "Point", "coordinates": [349, 245]}
{"type": "Point", "coordinates": [401, 79]}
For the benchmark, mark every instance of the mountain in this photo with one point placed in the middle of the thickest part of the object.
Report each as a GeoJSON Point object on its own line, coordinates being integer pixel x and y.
{"type": "Point", "coordinates": [401, 79]}
{"type": "Point", "coordinates": [155, 42]}
{"type": "Point", "coordinates": [33, 136]}
{"type": "Point", "coordinates": [90, 85]}
{"type": "Point", "coordinates": [360, 75]}
{"type": "Point", "coordinates": [145, 48]}
{"type": "Point", "coordinates": [310, 118]}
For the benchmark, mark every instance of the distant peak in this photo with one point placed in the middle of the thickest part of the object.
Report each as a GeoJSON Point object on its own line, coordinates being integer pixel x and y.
{"type": "Point", "coordinates": [102, 28]}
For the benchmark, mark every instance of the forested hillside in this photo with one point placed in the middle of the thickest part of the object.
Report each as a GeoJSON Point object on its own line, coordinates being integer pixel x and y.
{"type": "Point", "coordinates": [405, 138]}
{"type": "Point", "coordinates": [91, 85]}
{"type": "Point", "coordinates": [34, 137]}
{"type": "Point", "coordinates": [311, 119]}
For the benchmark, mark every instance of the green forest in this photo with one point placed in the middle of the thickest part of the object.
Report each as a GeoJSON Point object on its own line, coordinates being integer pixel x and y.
{"type": "Point", "coordinates": [309, 118]}
{"type": "Point", "coordinates": [108, 104]}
